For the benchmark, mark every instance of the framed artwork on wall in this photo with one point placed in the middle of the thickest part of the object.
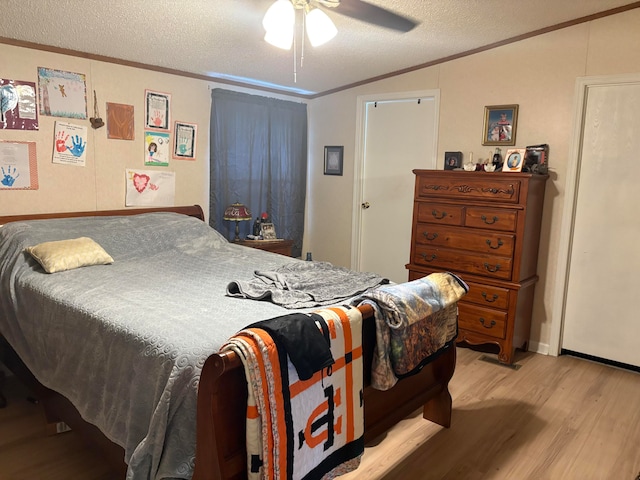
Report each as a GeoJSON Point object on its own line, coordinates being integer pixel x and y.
{"type": "Point", "coordinates": [500, 122]}
{"type": "Point", "coordinates": [333, 160]}
{"type": "Point", "coordinates": [184, 143]}
{"type": "Point", "coordinates": [157, 113]}
{"type": "Point", "coordinates": [120, 124]}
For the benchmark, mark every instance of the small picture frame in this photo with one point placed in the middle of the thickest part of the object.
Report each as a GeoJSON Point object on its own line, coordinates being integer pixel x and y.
{"type": "Point", "coordinates": [536, 159]}
{"type": "Point", "coordinates": [514, 160]}
{"type": "Point", "coordinates": [184, 141]}
{"type": "Point", "coordinates": [452, 160]}
{"type": "Point", "coordinates": [268, 231]}
{"type": "Point", "coordinates": [333, 160]}
{"type": "Point", "coordinates": [157, 114]}
{"type": "Point", "coordinates": [500, 122]}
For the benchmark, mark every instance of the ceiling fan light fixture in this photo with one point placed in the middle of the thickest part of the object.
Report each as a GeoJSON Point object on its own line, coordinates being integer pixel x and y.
{"type": "Point", "coordinates": [279, 23]}
{"type": "Point", "coordinates": [282, 38]}
{"type": "Point", "coordinates": [320, 28]}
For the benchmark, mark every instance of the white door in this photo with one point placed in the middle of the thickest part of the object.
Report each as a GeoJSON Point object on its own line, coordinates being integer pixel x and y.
{"type": "Point", "coordinates": [600, 317]}
{"type": "Point", "coordinates": [399, 136]}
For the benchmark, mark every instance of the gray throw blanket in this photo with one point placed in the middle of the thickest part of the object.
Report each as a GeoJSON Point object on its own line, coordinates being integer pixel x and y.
{"type": "Point", "coordinates": [305, 285]}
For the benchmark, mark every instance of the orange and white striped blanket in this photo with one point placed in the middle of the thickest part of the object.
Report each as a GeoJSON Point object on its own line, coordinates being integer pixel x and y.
{"type": "Point", "coordinates": [304, 429]}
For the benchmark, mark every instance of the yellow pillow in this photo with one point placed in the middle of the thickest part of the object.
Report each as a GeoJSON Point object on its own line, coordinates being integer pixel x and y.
{"type": "Point", "coordinates": [69, 254]}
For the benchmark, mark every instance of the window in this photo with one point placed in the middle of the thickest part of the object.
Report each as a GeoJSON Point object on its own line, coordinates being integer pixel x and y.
{"type": "Point", "coordinates": [259, 158]}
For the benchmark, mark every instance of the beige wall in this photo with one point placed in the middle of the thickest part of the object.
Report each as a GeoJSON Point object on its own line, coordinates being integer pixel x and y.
{"type": "Point", "coordinates": [538, 74]}
{"type": "Point", "coordinates": [100, 185]}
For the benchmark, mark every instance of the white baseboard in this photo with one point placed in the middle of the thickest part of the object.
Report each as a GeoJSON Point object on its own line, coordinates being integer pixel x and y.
{"type": "Point", "coordinates": [541, 348]}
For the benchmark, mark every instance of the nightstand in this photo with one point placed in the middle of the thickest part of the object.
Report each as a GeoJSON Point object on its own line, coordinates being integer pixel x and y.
{"type": "Point", "coordinates": [283, 247]}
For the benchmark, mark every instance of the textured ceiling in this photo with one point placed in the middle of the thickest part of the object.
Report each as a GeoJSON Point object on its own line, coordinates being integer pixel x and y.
{"type": "Point", "coordinates": [223, 38]}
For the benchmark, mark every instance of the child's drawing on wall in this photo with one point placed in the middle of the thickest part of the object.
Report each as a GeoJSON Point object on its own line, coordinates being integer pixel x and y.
{"type": "Point", "coordinates": [69, 145]}
{"type": "Point", "coordinates": [156, 148]}
{"type": "Point", "coordinates": [62, 94]}
{"type": "Point", "coordinates": [150, 188]}
{"type": "Point", "coordinates": [18, 165]}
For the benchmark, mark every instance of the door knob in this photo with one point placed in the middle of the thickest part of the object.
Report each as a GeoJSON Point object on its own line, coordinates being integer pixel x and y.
{"type": "Point", "coordinates": [365, 205]}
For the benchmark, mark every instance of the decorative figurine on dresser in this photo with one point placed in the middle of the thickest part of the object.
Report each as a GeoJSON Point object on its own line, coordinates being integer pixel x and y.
{"type": "Point", "coordinates": [485, 228]}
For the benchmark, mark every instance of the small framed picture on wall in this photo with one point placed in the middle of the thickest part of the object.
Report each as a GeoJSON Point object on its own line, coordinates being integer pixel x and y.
{"type": "Point", "coordinates": [184, 141]}
{"type": "Point", "coordinates": [333, 160]}
{"type": "Point", "coordinates": [157, 113]}
{"type": "Point", "coordinates": [500, 122]}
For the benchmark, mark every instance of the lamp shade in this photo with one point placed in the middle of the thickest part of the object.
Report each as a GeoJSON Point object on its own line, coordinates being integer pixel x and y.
{"type": "Point", "coordinates": [237, 212]}
{"type": "Point", "coordinates": [279, 22]}
{"type": "Point", "coordinates": [320, 28]}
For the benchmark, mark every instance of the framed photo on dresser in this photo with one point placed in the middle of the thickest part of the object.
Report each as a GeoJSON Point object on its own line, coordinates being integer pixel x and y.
{"type": "Point", "coordinates": [268, 231]}
{"type": "Point", "coordinates": [452, 160]}
{"type": "Point", "coordinates": [514, 159]}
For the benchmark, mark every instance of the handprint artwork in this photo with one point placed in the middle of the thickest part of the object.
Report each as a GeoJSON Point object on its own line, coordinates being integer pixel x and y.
{"type": "Point", "coordinates": [157, 110]}
{"type": "Point", "coordinates": [157, 120]}
{"type": "Point", "coordinates": [9, 177]}
{"type": "Point", "coordinates": [78, 146]}
{"type": "Point", "coordinates": [61, 141]}
{"type": "Point", "coordinates": [70, 144]}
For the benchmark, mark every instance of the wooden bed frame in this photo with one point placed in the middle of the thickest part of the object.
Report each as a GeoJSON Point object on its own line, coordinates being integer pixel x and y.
{"type": "Point", "coordinates": [222, 394]}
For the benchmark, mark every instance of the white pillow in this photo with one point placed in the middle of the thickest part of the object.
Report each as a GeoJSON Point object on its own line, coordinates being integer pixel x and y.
{"type": "Point", "coordinates": [69, 254]}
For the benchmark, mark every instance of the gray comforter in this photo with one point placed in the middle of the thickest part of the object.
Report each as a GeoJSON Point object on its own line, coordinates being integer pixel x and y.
{"type": "Point", "coordinates": [126, 342]}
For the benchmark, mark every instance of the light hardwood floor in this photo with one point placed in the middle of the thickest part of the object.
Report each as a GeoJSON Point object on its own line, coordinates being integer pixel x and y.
{"type": "Point", "coordinates": [553, 418]}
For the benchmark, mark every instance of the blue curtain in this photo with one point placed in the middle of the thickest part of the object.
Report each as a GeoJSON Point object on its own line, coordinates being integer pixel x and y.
{"type": "Point", "coordinates": [258, 158]}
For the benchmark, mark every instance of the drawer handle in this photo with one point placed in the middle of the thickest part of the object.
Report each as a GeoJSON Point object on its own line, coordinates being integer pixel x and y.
{"type": "Point", "coordinates": [484, 219]}
{"type": "Point", "coordinates": [484, 295]}
{"type": "Point", "coordinates": [496, 247]}
{"type": "Point", "coordinates": [491, 324]}
{"type": "Point", "coordinates": [492, 269]}
{"type": "Point", "coordinates": [495, 191]}
{"type": "Point", "coordinates": [430, 259]}
{"type": "Point", "coordinates": [435, 214]}
{"type": "Point", "coordinates": [430, 237]}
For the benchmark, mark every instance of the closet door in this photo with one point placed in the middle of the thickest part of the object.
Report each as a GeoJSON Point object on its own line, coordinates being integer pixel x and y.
{"type": "Point", "coordinates": [601, 317]}
{"type": "Point", "coordinates": [400, 135]}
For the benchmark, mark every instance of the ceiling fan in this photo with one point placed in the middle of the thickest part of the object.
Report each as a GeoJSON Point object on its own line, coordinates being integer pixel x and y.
{"type": "Point", "coordinates": [369, 13]}
{"type": "Point", "coordinates": [279, 21]}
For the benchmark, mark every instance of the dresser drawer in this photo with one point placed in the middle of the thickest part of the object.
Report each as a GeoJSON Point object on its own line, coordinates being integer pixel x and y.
{"type": "Point", "coordinates": [440, 213]}
{"type": "Point", "coordinates": [482, 320]}
{"type": "Point", "coordinates": [487, 295]}
{"type": "Point", "coordinates": [461, 261]}
{"type": "Point", "coordinates": [461, 238]}
{"type": "Point", "coordinates": [494, 219]}
{"type": "Point", "coordinates": [483, 187]}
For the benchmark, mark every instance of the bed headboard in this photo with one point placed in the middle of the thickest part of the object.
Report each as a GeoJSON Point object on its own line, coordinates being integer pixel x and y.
{"type": "Point", "coordinates": [192, 211]}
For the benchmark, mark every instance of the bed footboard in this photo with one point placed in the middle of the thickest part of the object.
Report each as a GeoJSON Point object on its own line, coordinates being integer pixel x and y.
{"type": "Point", "coordinates": [222, 397]}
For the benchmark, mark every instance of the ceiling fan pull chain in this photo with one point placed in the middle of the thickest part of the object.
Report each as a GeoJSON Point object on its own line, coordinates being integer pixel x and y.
{"type": "Point", "coordinates": [295, 54]}
{"type": "Point", "coordinates": [304, 31]}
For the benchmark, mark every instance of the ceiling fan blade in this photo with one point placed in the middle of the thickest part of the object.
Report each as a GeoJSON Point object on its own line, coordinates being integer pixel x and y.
{"type": "Point", "coordinates": [366, 12]}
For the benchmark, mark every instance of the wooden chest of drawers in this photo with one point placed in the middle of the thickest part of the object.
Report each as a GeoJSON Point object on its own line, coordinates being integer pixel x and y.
{"type": "Point", "coordinates": [485, 227]}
